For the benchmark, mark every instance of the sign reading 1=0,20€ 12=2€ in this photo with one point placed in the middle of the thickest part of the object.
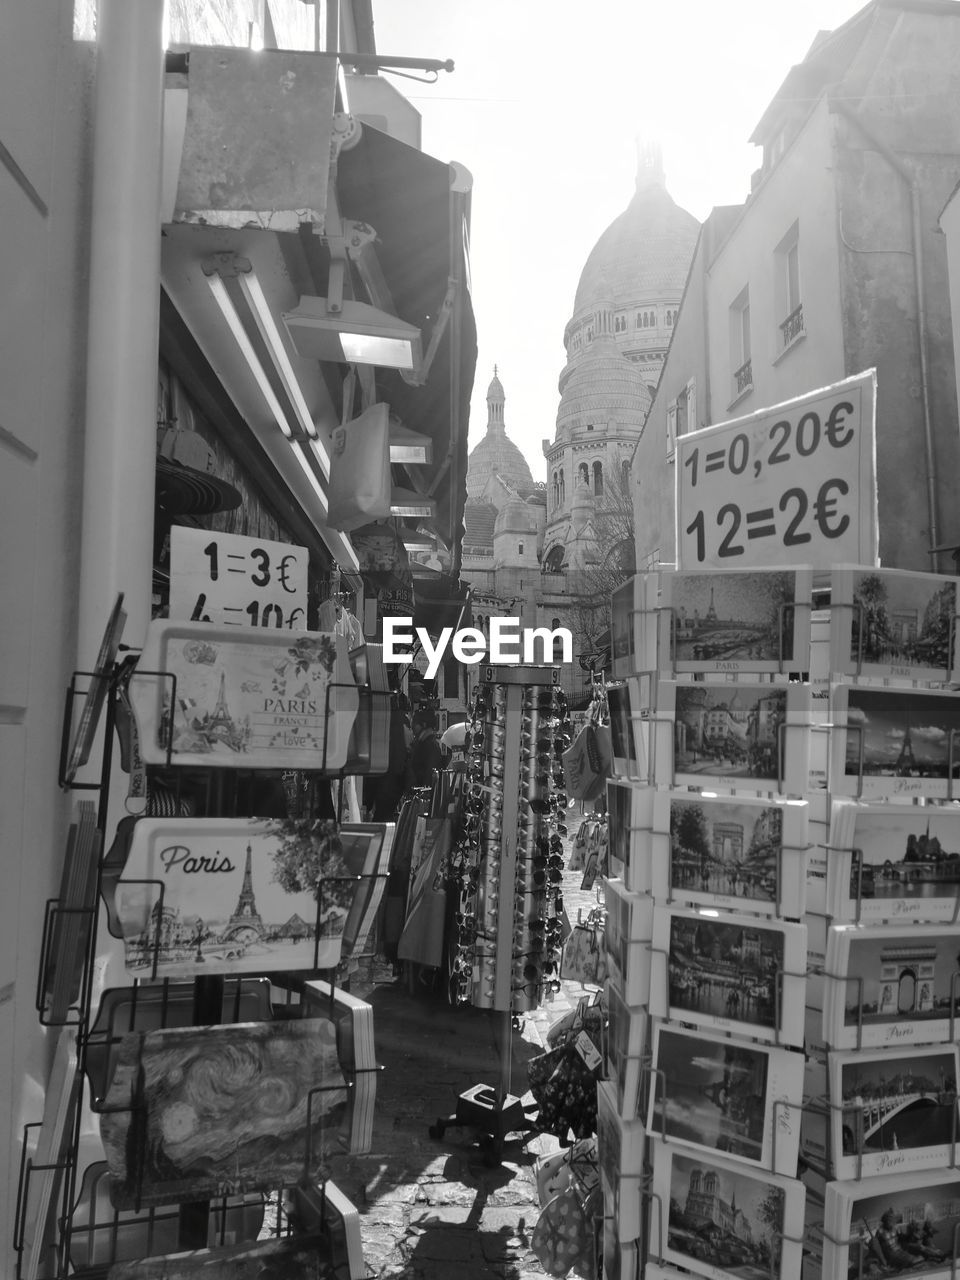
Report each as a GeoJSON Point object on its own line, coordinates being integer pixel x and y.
{"type": "Point", "coordinates": [791, 484]}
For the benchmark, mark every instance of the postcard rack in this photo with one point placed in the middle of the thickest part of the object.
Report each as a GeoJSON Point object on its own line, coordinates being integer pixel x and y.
{"type": "Point", "coordinates": [862, 1016]}
{"type": "Point", "coordinates": [64, 1221]}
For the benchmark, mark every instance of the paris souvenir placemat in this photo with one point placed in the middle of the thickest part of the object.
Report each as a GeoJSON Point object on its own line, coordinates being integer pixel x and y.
{"type": "Point", "coordinates": [243, 697]}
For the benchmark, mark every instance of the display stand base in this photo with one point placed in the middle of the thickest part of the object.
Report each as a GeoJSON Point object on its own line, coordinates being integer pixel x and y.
{"type": "Point", "coordinates": [480, 1108]}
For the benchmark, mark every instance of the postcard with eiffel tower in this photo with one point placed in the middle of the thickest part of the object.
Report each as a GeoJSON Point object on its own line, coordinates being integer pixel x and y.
{"type": "Point", "coordinates": [218, 895]}
{"type": "Point", "coordinates": [895, 743]}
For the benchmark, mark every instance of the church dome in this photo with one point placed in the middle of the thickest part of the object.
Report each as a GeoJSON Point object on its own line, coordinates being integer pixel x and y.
{"type": "Point", "coordinates": [601, 386]}
{"type": "Point", "coordinates": [496, 454]}
{"type": "Point", "coordinates": [645, 252]}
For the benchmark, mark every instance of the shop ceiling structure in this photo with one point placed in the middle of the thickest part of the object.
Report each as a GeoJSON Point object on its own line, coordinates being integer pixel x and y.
{"type": "Point", "coordinates": [300, 245]}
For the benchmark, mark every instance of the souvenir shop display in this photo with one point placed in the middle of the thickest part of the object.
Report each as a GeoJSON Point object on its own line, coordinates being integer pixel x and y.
{"type": "Point", "coordinates": [203, 1100]}
{"type": "Point", "coordinates": [147, 1007]}
{"type": "Point", "coordinates": [194, 1112]}
{"type": "Point", "coordinates": [234, 895]}
{"type": "Point", "coordinates": [506, 869]}
{"type": "Point", "coordinates": [230, 697]}
{"type": "Point", "coordinates": [509, 864]}
{"type": "Point", "coordinates": [791, 1049]}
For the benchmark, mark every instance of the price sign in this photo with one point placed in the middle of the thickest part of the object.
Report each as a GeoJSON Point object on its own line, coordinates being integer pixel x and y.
{"type": "Point", "coordinates": [793, 484]}
{"type": "Point", "coordinates": [237, 581]}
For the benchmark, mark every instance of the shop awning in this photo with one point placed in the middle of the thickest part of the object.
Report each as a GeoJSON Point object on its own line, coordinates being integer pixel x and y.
{"type": "Point", "coordinates": [421, 219]}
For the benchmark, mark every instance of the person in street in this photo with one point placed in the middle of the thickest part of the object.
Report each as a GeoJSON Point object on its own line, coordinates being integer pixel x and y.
{"type": "Point", "coordinates": [426, 754]}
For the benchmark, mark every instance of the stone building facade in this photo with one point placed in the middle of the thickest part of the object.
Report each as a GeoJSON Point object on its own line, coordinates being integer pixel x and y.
{"type": "Point", "coordinates": [547, 553]}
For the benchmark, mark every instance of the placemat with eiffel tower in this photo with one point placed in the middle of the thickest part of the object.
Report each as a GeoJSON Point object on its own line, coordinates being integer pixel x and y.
{"type": "Point", "coordinates": [221, 895]}
{"type": "Point", "coordinates": [243, 697]}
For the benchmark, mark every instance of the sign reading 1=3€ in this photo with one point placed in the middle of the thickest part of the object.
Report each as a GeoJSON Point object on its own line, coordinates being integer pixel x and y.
{"type": "Point", "coordinates": [792, 484]}
{"type": "Point", "coordinates": [237, 581]}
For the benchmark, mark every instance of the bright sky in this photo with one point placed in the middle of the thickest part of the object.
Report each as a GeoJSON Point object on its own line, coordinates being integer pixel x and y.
{"type": "Point", "coordinates": [544, 107]}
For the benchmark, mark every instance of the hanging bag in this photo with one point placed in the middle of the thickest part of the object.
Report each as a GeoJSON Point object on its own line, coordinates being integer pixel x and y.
{"type": "Point", "coordinates": [586, 763]}
{"type": "Point", "coordinates": [584, 959]}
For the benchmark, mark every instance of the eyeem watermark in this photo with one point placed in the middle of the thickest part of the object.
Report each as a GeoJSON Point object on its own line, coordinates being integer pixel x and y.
{"type": "Point", "coordinates": [509, 645]}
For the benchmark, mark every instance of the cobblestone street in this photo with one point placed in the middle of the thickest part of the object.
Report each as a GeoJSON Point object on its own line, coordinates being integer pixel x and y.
{"type": "Point", "coordinates": [431, 1207]}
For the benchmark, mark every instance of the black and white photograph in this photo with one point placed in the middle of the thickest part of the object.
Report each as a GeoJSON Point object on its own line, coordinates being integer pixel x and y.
{"type": "Point", "coordinates": [893, 862]}
{"type": "Point", "coordinates": [893, 623]}
{"type": "Point", "coordinates": [416, 415]}
{"type": "Point", "coordinates": [735, 621]}
{"type": "Point", "coordinates": [728, 1096]}
{"type": "Point", "coordinates": [723, 1220]}
{"type": "Point", "coordinates": [897, 1225]}
{"type": "Point", "coordinates": [890, 984]}
{"type": "Point", "coordinates": [732, 852]}
{"type": "Point", "coordinates": [742, 735]}
{"type": "Point", "coordinates": [894, 1111]}
{"type": "Point", "coordinates": [895, 743]}
{"type": "Point", "coordinates": [729, 971]}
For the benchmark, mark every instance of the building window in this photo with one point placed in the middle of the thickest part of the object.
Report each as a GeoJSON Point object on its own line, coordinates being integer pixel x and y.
{"type": "Point", "coordinates": [670, 315]}
{"type": "Point", "coordinates": [740, 362]}
{"type": "Point", "coordinates": [598, 478]}
{"type": "Point", "coordinates": [519, 548]}
{"type": "Point", "coordinates": [625, 476]}
{"type": "Point", "coordinates": [589, 426]}
{"type": "Point", "coordinates": [562, 494]}
{"type": "Point", "coordinates": [554, 623]}
{"type": "Point", "coordinates": [556, 490]}
{"type": "Point", "coordinates": [639, 320]}
{"type": "Point", "coordinates": [787, 287]}
{"type": "Point", "coordinates": [583, 474]}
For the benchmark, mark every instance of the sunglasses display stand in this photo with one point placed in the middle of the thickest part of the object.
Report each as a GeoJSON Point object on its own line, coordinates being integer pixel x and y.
{"type": "Point", "coordinates": [513, 900]}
